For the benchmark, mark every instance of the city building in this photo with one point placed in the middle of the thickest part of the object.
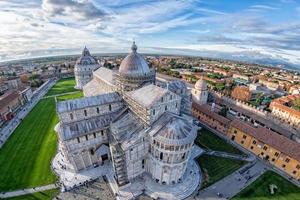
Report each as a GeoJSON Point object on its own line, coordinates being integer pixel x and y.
{"type": "Point", "coordinates": [129, 121]}
{"type": "Point", "coordinates": [282, 108]}
{"type": "Point", "coordinates": [209, 117]}
{"type": "Point", "coordinates": [10, 102]}
{"type": "Point", "coordinates": [242, 93]}
{"type": "Point", "coordinates": [26, 93]}
{"type": "Point", "coordinates": [268, 145]}
{"type": "Point", "coordinates": [84, 67]}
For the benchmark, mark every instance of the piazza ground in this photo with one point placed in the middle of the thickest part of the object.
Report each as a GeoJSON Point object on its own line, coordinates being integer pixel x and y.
{"type": "Point", "coordinates": [259, 189]}
{"type": "Point", "coordinates": [26, 156]}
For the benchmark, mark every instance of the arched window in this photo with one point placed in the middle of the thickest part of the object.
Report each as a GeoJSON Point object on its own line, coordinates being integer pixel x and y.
{"type": "Point", "coordinates": [183, 156]}
{"type": "Point", "coordinates": [71, 116]}
{"type": "Point", "coordinates": [161, 156]}
{"type": "Point", "coordinates": [109, 107]}
{"type": "Point", "coordinates": [85, 113]}
{"type": "Point", "coordinates": [98, 110]}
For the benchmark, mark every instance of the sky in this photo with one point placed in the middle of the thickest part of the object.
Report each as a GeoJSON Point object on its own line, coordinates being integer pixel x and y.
{"type": "Point", "coordinates": [235, 29]}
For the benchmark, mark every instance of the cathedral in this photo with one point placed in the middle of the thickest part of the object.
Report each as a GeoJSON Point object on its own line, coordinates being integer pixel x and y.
{"type": "Point", "coordinates": [128, 119]}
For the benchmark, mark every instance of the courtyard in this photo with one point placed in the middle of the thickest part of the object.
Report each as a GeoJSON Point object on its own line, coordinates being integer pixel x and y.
{"type": "Point", "coordinates": [32, 146]}
{"type": "Point", "coordinates": [260, 189]}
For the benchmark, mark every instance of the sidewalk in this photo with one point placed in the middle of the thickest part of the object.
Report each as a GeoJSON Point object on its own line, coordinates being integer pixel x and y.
{"type": "Point", "coordinates": [249, 158]}
{"type": "Point", "coordinates": [27, 191]}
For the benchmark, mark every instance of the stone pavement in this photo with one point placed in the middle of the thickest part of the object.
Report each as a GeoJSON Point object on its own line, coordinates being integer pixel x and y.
{"type": "Point", "coordinates": [27, 191]}
{"type": "Point", "coordinates": [9, 128]}
{"type": "Point", "coordinates": [70, 179]}
{"type": "Point", "coordinates": [97, 189]}
{"type": "Point", "coordinates": [231, 185]}
{"type": "Point", "coordinates": [249, 158]}
{"type": "Point", "coordinates": [146, 184]}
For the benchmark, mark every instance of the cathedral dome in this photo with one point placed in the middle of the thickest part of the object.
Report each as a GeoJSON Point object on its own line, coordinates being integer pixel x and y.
{"type": "Point", "coordinates": [134, 63]}
{"type": "Point", "coordinates": [201, 84]}
{"type": "Point", "coordinates": [86, 58]}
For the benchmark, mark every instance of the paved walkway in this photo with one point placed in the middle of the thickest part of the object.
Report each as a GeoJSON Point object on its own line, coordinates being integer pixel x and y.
{"type": "Point", "coordinates": [231, 185]}
{"type": "Point", "coordinates": [27, 191]}
{"type": "Point", "coordinates": [57, 95]}
{"type": "Point", "coordinates": [9, 128]}
{"type": "Point", "coordinates": [230, 155]}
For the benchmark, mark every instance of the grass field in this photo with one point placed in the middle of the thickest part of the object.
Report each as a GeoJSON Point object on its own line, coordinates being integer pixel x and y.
{"type": "Point", "coordinates": [215, 168]}
{"type": "Point", "coordinates": [209, 140]}
{"type": "Point", "coordinates": [45, 195]}
{"type": "Point", "coordinates": [62, 86]}
{"type": "Point", "coordinates": [69, 96]}
{"type": "Point", "coordinates": [25, 158]}
{"type": "Point", "coordinates": [259, 189]}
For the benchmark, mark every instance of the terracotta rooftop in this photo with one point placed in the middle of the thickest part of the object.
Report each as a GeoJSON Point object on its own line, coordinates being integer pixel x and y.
{"type": "Point", "coordinates": [8, 97]}
{"type": "Point", "coordinates": [269, 137]}
{"type": "Point", "coordinates": [206, 109]}
{"type": "Point", "coordinates": [280, 104]}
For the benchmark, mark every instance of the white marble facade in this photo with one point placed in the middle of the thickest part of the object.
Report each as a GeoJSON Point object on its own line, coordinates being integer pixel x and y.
{"type": "Point", "coordinates": [84, 67]}
{"type": "Point", "coordinates": [140, 130]}
{"type": "Point", "coordinates": [200, 92]}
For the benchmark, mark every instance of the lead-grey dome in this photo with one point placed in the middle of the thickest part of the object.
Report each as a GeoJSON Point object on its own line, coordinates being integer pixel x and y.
{"type": "Point", "coordinates": [86, 58]}
{"type": "Point", "coordinates": [134, 63]}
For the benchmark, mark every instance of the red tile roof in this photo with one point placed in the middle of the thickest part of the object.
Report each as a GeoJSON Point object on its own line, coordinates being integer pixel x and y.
{"type": "Point", "coordinates": [8, 97]}
{"type": "Point", "coordinates": [279, 142]}
{"type": "Point", "coordinates": [206, 109]}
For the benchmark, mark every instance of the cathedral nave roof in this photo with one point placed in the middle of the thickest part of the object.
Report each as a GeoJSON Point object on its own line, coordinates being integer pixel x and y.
{"type": "Point", "coordinates": [84, 127]}
{"type": "Point", "coordinates": [147, 95]}
{"type": "Point", "coordinates": [75, 104]}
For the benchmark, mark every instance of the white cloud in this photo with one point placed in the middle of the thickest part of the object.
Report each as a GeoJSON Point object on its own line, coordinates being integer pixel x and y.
{"type": "Point", "coordinates": [35, 27]}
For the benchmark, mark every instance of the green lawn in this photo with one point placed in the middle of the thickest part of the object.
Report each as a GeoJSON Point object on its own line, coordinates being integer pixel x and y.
{"type": "Point", "coordinates": [208, 140]}
{"type": "Point", "coordinates": [70, 96]}
{"type": "Point", "coordinates": [62, 86]}
{"type": "Point", "coordinates": [45, 195]}
{"type": "Point", "coordinates": [259, 189]}
{"type": "Point", "coordinates": [215, 168]}
{"type": "Point", "coordinates": [25, 158]}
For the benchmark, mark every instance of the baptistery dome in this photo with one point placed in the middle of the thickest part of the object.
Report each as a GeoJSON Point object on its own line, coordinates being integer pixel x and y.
{"type": "Point", "coordinates": [134, 63]}
{"type": "Point", "coordinates": [177, 132]}
{"type": "Point", "coordinates": [86, 58]}
{"type": "Point", "coordinates": [84, 67]}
